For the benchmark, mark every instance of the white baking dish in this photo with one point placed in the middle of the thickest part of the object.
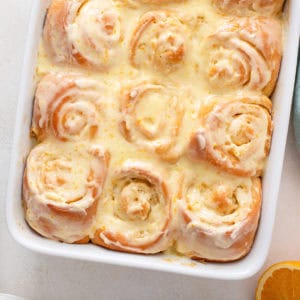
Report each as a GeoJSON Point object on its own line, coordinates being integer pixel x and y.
{"type": "Point", "coordinates": [237, 270]}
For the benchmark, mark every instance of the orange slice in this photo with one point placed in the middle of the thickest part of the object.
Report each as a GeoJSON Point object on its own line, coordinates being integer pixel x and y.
{"type": "Point", "coordinates": [280, 282]}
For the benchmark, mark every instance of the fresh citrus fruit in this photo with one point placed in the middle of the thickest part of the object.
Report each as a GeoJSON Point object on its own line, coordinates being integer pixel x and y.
{"type": "Point", "coordinates": [280, 282]}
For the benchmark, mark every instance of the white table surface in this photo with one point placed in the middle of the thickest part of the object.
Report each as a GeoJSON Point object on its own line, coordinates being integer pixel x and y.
{"type": "Point", "coordinates": [36, 276]}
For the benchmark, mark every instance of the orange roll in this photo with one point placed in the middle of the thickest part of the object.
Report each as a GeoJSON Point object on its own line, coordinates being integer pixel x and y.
{"type": "Point", "coordinates": [68, 107]}
{"type": "Point", "coordinates": [158, 42]}
{"type": "Point", "coordinates": [61, 190]}
{"type": "Point", "coordinates": [244, 53]}
{"type": "Point", "coordinates": [152, 118]}
{"type": "Point", "coordinates": [82, 32]}
{"type": "Point", "coordinates": [134, 213]}
{"type": "Point", "coordinates": [234, 134]}
{"type": "Point", "coordinates": [218, 219]}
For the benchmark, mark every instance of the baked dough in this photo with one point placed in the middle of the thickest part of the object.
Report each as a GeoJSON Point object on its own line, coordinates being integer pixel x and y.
{"type": "Point", "coordinates": [158, 42]}
{"type": "Point", "coordinates": [218, 220]}
{"type": "Point", "coordinates": [61, 189]}
{"type": "Point", "coordinates": [69, 107]}
{"type": "Point", "coordinates": [144, 124]}
{"type": "Point", "coordinates": [153, 124]}
{"type": "Point", "coordinates": [234, 135]}
{"type": "Point", "coordinates": [244, 53]}
{"type": "Point", "coordinates": [83, 32]}
{"type": "Point", "coordinates": [135, 212]}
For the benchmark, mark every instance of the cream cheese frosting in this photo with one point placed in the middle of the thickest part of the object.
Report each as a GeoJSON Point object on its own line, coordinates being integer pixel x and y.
{"type": "Point", "coordinates": [131, 93]}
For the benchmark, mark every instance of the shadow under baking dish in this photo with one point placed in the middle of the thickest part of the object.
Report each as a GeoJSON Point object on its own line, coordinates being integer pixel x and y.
{"type": "Point", "coordinates": [244, 268]}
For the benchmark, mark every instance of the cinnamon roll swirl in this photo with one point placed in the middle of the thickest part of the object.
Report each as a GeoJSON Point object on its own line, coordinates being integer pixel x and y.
{"type": "Point", "coordinates": [158, 42]}
{"type": "Point", "coordinates": [83, 32]}
{"type": "Point", "coordinates": [244, 53]}
{"type": "Point", "coordinates": [242, 7]}
{"type": "Point", "coordinates": [134, 214]}
{"type": "Point", "coordinates": [234, 135]}
{"type": "Point", "coordinates": [61, 190]}
{"type": "Point", "coordinates": [218, 220]}
{"type": "Point", "coordinates": [68, 107]}
{"type": "Point", "coordinates": [152, 118]}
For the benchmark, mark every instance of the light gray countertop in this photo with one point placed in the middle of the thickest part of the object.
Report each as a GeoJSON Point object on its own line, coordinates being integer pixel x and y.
{"type": "Point", "coordinates": [36, 276]}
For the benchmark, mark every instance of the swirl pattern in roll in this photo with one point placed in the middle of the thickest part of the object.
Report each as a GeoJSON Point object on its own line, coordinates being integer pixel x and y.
{"type": "Point", "coordinates": [244, 53]}
{"type": "Point", "coordinates": [158, 42]}
{"type": "Point", "coordinates": [134, 214]}
{"type": "Point", "coordinates": [68, 107]}
{"type": "Point", "coordinates": [61, 190]}
{"type": "Point", "coordinates": [82, 32]}
{"type": "Point", "coordinates": [218, 219]}
{"type": "Point", "coordinates": [144, 124]}
{"type": "Point", "coordinates": [242, 7]}
{"type": "Point", "coordinates": [234, 135]}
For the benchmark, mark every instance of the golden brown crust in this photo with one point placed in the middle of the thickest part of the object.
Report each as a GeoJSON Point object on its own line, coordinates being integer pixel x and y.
{"type": "Point", "coordinates": [47, 180]}
{"type": "Point", "coordinates": [158, 42]}
{"type": "Point", "coordinates": [153, 131]}
{"type": "Point", "coordinates": [228, 239]}
{"type": "Point", "coordinates": [133, 178]}
{"type": "Point", "coordinates": [234, 135]}
{"type": "Point", "coordinates": [244, 53]}
{"type": "Point", "coordinates": [82, 32]}
{"type": "Point", "coordinates": [84, 240]}
{"type": "Point", "coordinates": [119, 239]}
{"type": "Point", "coordinates": [56, 21]}
{"type": "Point", "coordinates": [67, 107]}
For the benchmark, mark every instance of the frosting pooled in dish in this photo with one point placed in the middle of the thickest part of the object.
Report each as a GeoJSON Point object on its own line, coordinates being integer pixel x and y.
{"type": "Point", "coordinates": [153, 124]}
